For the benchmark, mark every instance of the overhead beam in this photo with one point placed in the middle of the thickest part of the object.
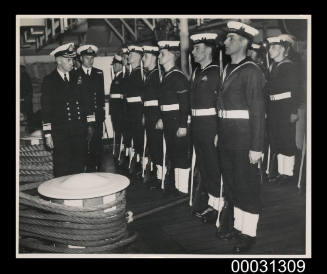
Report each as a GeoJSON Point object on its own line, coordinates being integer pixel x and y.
{"type": "Point", "coordinates": [146, 22]}
{"type": "Point", "coordinates": [128, 28]}
{"type": "Point", "coordinates": [115, 30]}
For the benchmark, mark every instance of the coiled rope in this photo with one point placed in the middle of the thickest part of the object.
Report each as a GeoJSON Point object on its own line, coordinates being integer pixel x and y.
{"type": "Point", "coordinates": [52, 227]}
{"type": "Point", "coordinates": [35, 163]}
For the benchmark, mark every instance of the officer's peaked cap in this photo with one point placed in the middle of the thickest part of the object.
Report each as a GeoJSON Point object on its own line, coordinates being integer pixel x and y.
{"type": "Point", "coordinates": [87, 50]}
{"type": "Point", "coordinates": [66, 50]}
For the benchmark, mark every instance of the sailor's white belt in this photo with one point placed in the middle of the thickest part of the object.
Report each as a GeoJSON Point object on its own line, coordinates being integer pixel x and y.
{"type": "Point", "coordinates": [46, 126]}
{"type": "Point", "coordinates": [117, 96]}
{"type": "Point", "coordinates": [280, 96]}
{"type": "Point", "coordinates": [204, 112]}
{"type": "Point", "coordinates": [169, 107]}
{"type": "Point", "coordinates": [233, 114]}
{"type": "Point", "coordinates": [134, 99]}
{"type": "Point", "coordinates": [151, 103]}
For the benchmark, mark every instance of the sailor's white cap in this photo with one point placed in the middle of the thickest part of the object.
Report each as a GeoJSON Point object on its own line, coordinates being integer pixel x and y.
{"type": "Point", "coordinates": [117, 59]}
{"type": "Point", "coordinates": [242, 29]}
{"type": "Point", "coordinates": [204, 38]}
{"type": "Point", "coordinates": [124, 50]}
{"type": "Point", "coordinates": [255, 46]}
{"type": "Point", "coordinates": [150, 49]}
{"type": "Point", "coordinates": [170, 45]}
{"type": "Point", "coordinates": [66, 50]}
{"type": "Point", "coordinates": [87, 50]}
{"type": "Point", "coordinates": [282, 38]}
{"type": "Point", "coordinates": [133, 48]}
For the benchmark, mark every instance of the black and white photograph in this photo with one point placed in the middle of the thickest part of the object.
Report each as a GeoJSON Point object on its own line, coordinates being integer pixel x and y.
{"type": "Point", "coordinates": [163, 136]}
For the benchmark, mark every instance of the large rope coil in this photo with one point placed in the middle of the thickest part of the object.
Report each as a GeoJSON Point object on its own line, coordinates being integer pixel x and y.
{"type": "Point", "coordinates": [35, 163]}
{"type": "Point", "coordinates": [58, 228]}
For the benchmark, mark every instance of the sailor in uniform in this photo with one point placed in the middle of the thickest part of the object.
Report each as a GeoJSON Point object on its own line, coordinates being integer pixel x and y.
{"type": "Point", "coordinates": [116, 104]}
{"type": "Point", "coordinates": [152, 112]}
{"type": "Point", "coordinates": [205, 85]}
{"type": "Point", "coordinates": [256, 53]}
{"type": "Point", "coordinates": [175, 108]}
{"type": "Point", "coordinates": [282, 99]}
{"type": "Point", "coordinates": [127, 136]}
{"type": "Point", "coordinates": [93, 85]}
{"type": "Point", "coordinates": [241, 112]}
{"type": "Point", "coordinates": [65, 113]}
{"type": "Point", "coordinates": [134, 93]}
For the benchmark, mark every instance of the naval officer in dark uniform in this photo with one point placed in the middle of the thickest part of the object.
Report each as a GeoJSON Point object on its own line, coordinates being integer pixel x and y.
{"type": "Point", "coordinates": [65, 114]}
{"type": "Point", "coordinates": [205, 84]}
{"type": "Point", "coordinates": [116, 102]}
{"type": "Point", "coordinates": [241, 112]}
{"type": "Point", "coordinates": [282, 98]}
{"type": "Point", "coordinates": [175, 107]}
{"type": "Point", "coordinates": [152, 111]}
{"type": "Point", "coordinates": [93, 85]}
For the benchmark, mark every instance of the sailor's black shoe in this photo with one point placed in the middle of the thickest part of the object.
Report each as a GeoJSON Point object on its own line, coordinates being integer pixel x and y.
{"type": "Point", "coordinates": [244, 243]}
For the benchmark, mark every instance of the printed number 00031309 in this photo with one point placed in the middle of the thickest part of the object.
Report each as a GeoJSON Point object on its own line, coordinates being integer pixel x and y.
{"type": "Point", "coordinates": [263, 266]}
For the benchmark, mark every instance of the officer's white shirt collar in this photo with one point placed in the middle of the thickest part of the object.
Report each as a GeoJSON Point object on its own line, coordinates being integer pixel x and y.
{"type": "Point", "coordinates": [63, 74]}
{"type": "Point", "coordinates": [86, 69]}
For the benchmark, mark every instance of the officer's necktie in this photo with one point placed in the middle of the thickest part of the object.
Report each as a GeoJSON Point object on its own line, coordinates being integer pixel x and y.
{"type": "Point", "coordinates": [88, 72]}
{"type": "Point", "coordinates": [65, 78]}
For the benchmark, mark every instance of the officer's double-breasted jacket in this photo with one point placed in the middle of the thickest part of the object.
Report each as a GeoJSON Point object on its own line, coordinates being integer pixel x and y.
{"type": "Point", "coordinates": [64, 106]}
{"type": "Point", "coordinates": [93, 85]}
{"type": "Point", "coordinates": [242, 92]}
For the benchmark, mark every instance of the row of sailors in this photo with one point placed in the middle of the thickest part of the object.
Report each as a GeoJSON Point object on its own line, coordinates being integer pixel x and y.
{"type": "Point", "coordinates": [227, 125]}
{"type": "Point", "coordinates": [150, 111]}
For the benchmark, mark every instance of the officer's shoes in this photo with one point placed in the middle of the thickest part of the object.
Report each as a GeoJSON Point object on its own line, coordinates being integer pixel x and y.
{"type": "Point", "coordinates": [244, 243]}
{"type": "Point", "coordinates": [228, 235]}
{"type": "Point", "coordinates": [210, 216]}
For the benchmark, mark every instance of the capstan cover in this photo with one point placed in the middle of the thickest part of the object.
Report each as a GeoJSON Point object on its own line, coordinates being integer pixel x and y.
{"type": "Point", "coordinates": [83, 185]}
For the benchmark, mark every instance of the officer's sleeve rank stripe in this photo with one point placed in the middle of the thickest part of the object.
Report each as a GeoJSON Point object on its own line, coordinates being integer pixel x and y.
{"type": "Point", "coordinates": [90, 118]}
{"type": "Point", "coordinates": [47, 126]}
{"type": "Point", "coordinates": [182, 91]}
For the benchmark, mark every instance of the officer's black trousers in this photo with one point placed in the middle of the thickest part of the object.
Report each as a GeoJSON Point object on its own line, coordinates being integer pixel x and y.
{"type": "Point", "coordinates": [69, 153]}
{"type": "Point", "coordinates": [241, 181]}
{"type": "Point", "coordinates": [207, 159]}
{"type": "Point", "coordinates": [154, 140]}
{"type": "Point", "coordinates": [95, 152]}
{"type": "Point", "coordinates": [177, 148]}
